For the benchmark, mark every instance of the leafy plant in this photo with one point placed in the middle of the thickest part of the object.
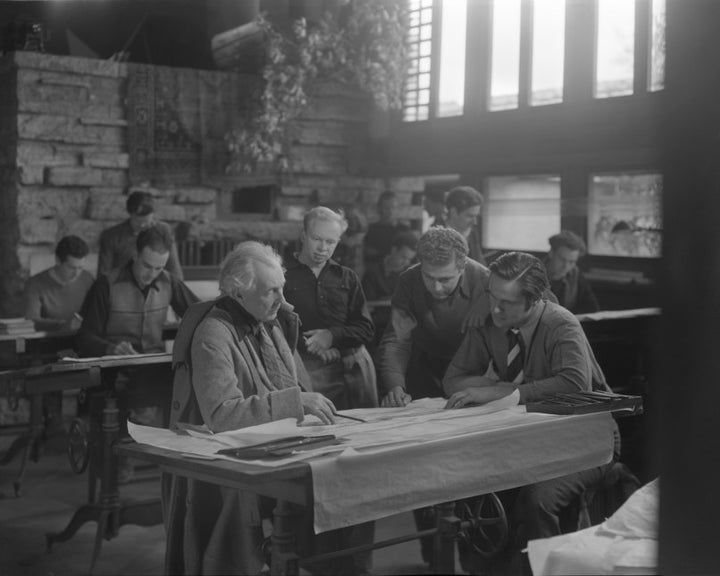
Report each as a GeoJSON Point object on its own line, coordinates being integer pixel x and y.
{"type": "Point", "coordinates": [363, 45]}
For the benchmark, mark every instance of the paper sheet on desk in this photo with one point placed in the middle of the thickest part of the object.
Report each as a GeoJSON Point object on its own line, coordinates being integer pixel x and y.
{"type": "Point", "coordinates": [69, 359]}
{"type": "Point", "coordinates": [441, 460]}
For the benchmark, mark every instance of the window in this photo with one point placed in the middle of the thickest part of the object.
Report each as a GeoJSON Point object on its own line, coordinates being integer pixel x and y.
{"type": "Point", "coordinates": [417, 90]}
{"type": "Point", "coordinates": [451, 92]}
{"type": "Point", "coordinates": [505, 75]}
{"type": "Point", "coordinates": [521, 212]}
{"type": "Point", "coordinates": [657, 46]}
{"type": "Point", "coordinates": [248, 202]}
{"type": "Point", "coordinates": [615, 48]}
{"type": "Point", "coordinates": [624, 215]}
{"type": "Point", "coordinates": [548, 52]}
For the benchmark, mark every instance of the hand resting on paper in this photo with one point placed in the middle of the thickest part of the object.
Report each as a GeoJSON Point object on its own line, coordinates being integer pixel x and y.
{"type": "Point", "coordinates": [478, 396]}
{"type": "Point", "coordinates": [318, 405]}
{"type": "Point", "coordinates": [396, 398]}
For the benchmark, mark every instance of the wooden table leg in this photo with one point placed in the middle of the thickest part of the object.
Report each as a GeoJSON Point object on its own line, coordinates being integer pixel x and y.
{"type": "Point", "coordinates": [284, 560]}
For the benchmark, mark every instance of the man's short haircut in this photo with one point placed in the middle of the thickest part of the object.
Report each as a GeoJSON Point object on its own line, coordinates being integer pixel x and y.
{"type": "Point", "coordinates": [140, 203]}
{"type": "Point", "coordinates": [567, 239]}
{"type": "Point", "coordinates": [325, 214]}
{"type": "Point", "coordinates": [238, 270]}
{"type": "Point", "coordinates": [157, 238]}
{"type": "Point", "coordinates": [463, 197]}
{"type": "Point", "coordinates": [526, 270]}
{"type": "Point", "coordinates": [441, 245]}
{"type": "Point", "coordinates": [71, 246]}
{"type": "Point", "coordinates": [405, 239]}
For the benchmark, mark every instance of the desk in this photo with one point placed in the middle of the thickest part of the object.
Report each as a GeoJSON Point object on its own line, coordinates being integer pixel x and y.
{"type": "Point", "coordinates": [623, 342]}
{"type": "Point", "coordinates": [32, 348]}
{"type": "Point", "coordinates": [475, 462]}
{"type": "Point", "coordinates": [88, 374]}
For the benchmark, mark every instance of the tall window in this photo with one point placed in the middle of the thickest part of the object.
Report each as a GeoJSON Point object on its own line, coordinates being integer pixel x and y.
{"type": "Point", "coordinates": [417, 90]}
{"type": "Point", "coordinates": [548, 52]}
{"type": "Point", "coordinates": [624, 214]}
{"type": "Point", "coordinates": [451, 92]}
{"type": "Point", "coordinates": [657, 46]}
{"type": "Point", "coordinates": [521, 212]}
{"type": "Point", "coordinates": [615, 48]}
{"type": "Point", "coordinates": [505, 75]}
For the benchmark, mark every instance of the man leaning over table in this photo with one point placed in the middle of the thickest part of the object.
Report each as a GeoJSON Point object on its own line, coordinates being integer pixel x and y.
{"type": "Point", "coordinates": [433, 303]}
{"type": "Point", "coordinates": [124, 313]}
{"type": "Point", "coordinates": [530, 348]}
{"type": "Point", "coordinates": [237, 365]}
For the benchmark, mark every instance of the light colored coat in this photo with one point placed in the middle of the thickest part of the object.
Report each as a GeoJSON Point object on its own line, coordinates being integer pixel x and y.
{"type": "Point", "coordinates": [213, 530]}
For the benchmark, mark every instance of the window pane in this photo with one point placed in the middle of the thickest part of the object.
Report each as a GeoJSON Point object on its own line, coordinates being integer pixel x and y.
{"type": "Point", "coordinates": [624, 215]}
{"type": "Point", "coordinates": [548, 52]}
{"type": "Point", "coordinates": [451, 95]}
{"type": "Point", "coordinates": [521, 212]}
{"type": "Point", "coordinates": [419, 39]}
{"type": "Point", "coordinates": [615, 54]}
{"type": "Point", "coordinates": [657, 46]}
{"type": "Point", "coordinates": [505, 80]}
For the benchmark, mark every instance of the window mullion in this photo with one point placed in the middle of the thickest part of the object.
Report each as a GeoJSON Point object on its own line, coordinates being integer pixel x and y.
{"type": "Point", "coordinates": [526, 43]}
{"type": "Point", "coordinates": [435, 58]}
{"type": "Point", "coordinates": [643, 19]}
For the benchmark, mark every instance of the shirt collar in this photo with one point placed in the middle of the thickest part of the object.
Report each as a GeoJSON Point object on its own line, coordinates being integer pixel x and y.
{"type": "Point", "coordinates": [464, 285]}
{"type": "Point", "coordinates": [528, 329]}
{"type": "Point", "coordinates": [294, 262]}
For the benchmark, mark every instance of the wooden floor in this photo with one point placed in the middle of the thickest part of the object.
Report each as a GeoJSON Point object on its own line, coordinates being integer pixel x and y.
{"type": "Point", "coordinates": [51, 494]}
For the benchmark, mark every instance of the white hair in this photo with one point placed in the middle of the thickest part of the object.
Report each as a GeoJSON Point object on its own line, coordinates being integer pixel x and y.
{"type": "Point", "coordinates": [325, 214]}
{"type": "Point", "coordinates": [238, 269]}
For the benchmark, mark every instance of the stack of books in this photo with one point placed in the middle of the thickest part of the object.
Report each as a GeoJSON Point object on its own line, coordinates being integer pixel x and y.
{"type": "Point", "coordinates": [16, 326]}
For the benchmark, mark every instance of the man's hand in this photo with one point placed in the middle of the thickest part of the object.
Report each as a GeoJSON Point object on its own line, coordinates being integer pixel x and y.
{"type": "Point", "coordinates": [318, 405]}
{"type": "Point", "coordinates": [330, 355]}
{"type": "Point", "coordinates": [317, 341]}
{"type": "Point", "coordinates": [122, 349]}
{"type": "Point", "coordinates": [479, 395]}
{"type": "Point", "coordinates": [396, 398]}
{"type": "Point", "coordinates": [74, 323]}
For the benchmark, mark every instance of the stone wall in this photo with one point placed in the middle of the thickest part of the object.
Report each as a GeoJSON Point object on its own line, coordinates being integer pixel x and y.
{"type": "Point", "coordinates": [65, 164]}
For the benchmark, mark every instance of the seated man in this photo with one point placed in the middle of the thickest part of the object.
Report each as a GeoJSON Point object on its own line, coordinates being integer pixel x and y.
{"type": "Point", "coordinates": [566, 281]}
{"type": "Point", "coordinates": [380, 233]}
{"type": "Point", "coordinates": [124, 313]}
{"type": "Point", "coordinates": [331, 304]}
{"type": "Point", "coordinates": [236, 366]}
{"type": "Point", "coordinates": [53, 298]}
{"type": "Point", "coordinates": [531, 348]}
{"type": "Point", "coordinates": [117, 244]}
{"type": "Point", "coordinates": [464, 205]}
{"type": "Point", "coordinates": [380, 278]}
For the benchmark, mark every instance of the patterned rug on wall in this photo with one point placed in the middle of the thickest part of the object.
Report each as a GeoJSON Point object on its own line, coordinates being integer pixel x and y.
{"type": "Point", "coordinates": [177, 118]}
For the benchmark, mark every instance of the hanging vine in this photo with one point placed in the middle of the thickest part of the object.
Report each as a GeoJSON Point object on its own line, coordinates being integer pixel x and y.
{"type": "Point", "coordinates": [362, 46]}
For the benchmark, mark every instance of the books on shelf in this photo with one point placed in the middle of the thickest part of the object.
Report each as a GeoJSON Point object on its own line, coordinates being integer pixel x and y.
{"type": "Point", "coordinates": [587, 402]}
{"type": "Point", "coordinates": [16, 326]}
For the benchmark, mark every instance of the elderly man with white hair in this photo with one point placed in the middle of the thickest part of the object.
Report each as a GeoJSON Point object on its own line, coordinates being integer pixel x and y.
{"type": "Point", "coordinates": [236, 365]}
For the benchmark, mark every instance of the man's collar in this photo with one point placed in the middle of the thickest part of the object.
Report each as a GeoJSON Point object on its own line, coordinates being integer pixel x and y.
{"type": "Point", "coordinates": [528, 329]}
{"type": "Point", "coordinates": [240, 317]}
{"type": "Point", "coordinates": [294, 262]}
